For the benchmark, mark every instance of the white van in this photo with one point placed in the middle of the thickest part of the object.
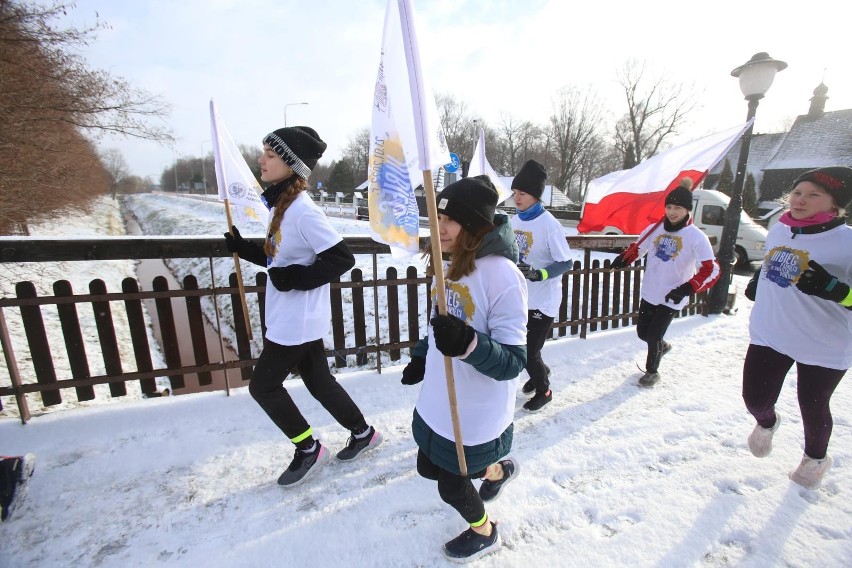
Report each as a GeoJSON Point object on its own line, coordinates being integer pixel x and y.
{"type": "Point", "coordinates": [708, 214]}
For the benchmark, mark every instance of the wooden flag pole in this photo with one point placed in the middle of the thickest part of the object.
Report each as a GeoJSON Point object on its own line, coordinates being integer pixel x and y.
{"type": "Point", "coordinates": [438, 269]}
{"type": "Point", "coordinates": [239, 275]}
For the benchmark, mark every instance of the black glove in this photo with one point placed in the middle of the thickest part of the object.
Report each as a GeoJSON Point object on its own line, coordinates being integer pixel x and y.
{"type": "Point", "coordinates": [247, 250]}
{"type": "Point", "coordinates": [618, 263]}
{"type": "Point", "coordinates": [531, 273]}
{"type": "Point", "coordinates": [816, 281]}
{"type": "Point", "coordinates": [282, 277]}
{"type": "Point", "coordinates": [452, 335]}
{"type": "Point", "coordinates": [679, 293]}
{"type": "Point", "coordinates": [751, 287]}
{"type": "Point", "coordinates": [414, 371]}
{"type": "Point", "coordinates": [234, 242]}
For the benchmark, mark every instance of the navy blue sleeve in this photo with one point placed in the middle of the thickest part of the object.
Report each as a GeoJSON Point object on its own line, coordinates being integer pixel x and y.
{"type": "Point", "coordinates": [559, 268]}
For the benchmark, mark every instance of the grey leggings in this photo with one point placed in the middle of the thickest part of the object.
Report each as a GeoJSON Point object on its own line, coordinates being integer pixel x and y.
{"type": "Point", "coordinates": [763, 376]}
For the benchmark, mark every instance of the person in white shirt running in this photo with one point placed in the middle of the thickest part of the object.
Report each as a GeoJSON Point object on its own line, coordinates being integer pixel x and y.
{"type": "Point", "coordinates": [484, 333]}
{"type": "Point", "coordinates": [544, 257]}
{"type": "Point", "coordinates": [680, 263]}
{"type": "Point", "coordinates": [802, 314]}
{"type": "Point", "coordinates": [303, 254]}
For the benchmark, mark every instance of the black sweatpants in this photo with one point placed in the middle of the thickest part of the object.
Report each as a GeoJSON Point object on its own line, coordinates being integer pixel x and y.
{"type": "Point", "coordinates": [538, 327]}
{"type": "Point", "coordinates": [764, 370]}
{"type": "Point", "coordinates": [653, 323]}
{"type": "Point", "coordinates": [456, 491]}
{"type": "Point", "coordinates": [267, 388]}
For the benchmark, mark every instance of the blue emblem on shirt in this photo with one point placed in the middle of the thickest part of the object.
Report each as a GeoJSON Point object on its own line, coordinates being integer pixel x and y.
{"type": "Point", "coordinates": [784, 265]}
{"type": "Point", "coordinates": [667, 247]}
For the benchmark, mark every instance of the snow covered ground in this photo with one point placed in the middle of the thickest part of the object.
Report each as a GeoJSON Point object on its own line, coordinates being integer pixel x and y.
{"type": "Point", "coordinates": [611, 475]}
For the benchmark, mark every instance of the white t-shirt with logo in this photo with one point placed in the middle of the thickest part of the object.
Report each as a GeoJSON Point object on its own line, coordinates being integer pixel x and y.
{"type": "Point", "coordinates": [541, 242]}
{"type": "Point", "coordinates": [672, 261]}
{"type": "Point", "coordinates": [297, 317]}
{"type": "Point", "coordinates": [492, 300]}
{"type": "Point", "coordinates": [806, 328]}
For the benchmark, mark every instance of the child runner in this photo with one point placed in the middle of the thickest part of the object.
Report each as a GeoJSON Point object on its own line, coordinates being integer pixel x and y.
{"type": "Point", "coordinates": [484, 332]}
{"type": "Point", "coordinates": [809, 323]}
{"type": "Point", "coordinates": [303, 254]}
{"type": "Point", "coordinates": [544, 257]}
{"type": "Point", "coordinates": [675, 248]}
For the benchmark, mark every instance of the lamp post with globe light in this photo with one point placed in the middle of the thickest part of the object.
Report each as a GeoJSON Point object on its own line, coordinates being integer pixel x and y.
{"type": "Point", "coordinates": [756, 76]}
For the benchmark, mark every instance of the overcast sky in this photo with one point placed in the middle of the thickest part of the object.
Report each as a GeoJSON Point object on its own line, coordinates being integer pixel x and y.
{"type": "Point", "coordinates": [504, 56]}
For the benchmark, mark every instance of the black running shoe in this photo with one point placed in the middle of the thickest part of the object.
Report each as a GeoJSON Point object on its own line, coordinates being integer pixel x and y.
{"type": "Point", "coordinates": [303, 464]}
{"type": "Point", "coordinates": [649, 379]}
{"type": "Point", "coordinates": [529, 386]}
{"type": "Point", "coordinates": [470, 545]}
{"type": "Point", "coordinates": [490, 490]}
{"type": "Point", "coordinates": [357, 446]}
{"type": "Point", "coordinates": [15, 480]}
{"type": "Point", "coordinates": [666, 348]}
{"type": "Point", "coordinates": [538, 402]}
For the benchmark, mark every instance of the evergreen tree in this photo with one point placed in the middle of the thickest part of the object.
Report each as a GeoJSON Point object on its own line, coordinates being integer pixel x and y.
{"type": "Point", "coordinates": [726, 179]}
{"type": "Point", "coordinates": [341, 177]}
{"type": "Point", "coordinates": [749, 196]}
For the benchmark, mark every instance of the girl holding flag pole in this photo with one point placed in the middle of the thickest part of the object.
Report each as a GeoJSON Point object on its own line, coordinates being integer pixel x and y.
{"type": "Point", "coordinates": [304, 254]}
{"type": "Point", "coordinates": [484, 332]}
{"type": "Point", "coordinates": [675, 247]}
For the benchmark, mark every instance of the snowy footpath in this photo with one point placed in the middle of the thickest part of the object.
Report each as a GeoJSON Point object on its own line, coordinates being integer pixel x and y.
{"type": "Point", "coordinates": [611, 474]}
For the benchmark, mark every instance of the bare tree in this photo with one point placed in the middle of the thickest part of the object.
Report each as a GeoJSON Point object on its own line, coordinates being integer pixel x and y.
{"type": "Point", "coordinates": [116, 168]}
{"type": "Point", "coordinates": [458, 124]}
{"type": "Point", "coordinates": [574, 126]}
{"type": "Point", "coordinates": [656, 109]}
{"type": "Point", "coordinates": [49, 99]}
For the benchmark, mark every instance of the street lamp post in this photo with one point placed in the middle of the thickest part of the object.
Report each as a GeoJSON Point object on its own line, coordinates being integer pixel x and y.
{"type": "Point", "coordinates": [755, 76]}
{"type": "Point", "coordinates": [285, 110]}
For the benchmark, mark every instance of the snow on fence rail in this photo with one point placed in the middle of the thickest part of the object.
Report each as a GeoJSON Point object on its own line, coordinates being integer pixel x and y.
{"type": "Point", "coordinates": [370, 321]}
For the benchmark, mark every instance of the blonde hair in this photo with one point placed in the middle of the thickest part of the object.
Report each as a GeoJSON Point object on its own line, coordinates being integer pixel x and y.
{"type": "Point", "coordinates": [293, 187]}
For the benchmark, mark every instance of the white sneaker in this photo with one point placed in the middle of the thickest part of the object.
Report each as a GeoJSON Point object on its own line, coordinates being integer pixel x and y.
{"type": "Point", "coordinates": [760, 439]}
{"type": "Point", "coordinates": [810, 472]}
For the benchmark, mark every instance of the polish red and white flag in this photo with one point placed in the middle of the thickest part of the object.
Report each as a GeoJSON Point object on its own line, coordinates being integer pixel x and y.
{"type": "Point", "coordinates": [630, 200]}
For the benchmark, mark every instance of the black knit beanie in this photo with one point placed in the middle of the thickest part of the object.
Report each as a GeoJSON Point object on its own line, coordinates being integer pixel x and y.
{"type": "Point", "coordinates": [836, 180]}
{"type": "Point", "coordinates": [470, 202]}
{"type": "Point", "coordinates": [299, 146]}
{"type": "Point", "coordinates": [530, 179]}
{"type": "Point", "coordinates": [681, 195]}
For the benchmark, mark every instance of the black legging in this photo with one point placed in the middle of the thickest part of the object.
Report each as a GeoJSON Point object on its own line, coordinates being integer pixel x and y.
{"type": "Point", "coordinates": [764, 371]}
{"type": "Point", "coordinates": [266, 387]}
{"type": "Point", "coordinates": [456, 491]}
{"type": "Point", "coordinates": [538, 326]}
{"type": "Point", "coordinates": [652, 325]}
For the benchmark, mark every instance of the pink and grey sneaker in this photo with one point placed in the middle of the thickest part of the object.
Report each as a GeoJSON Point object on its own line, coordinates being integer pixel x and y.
{"type": "Point", "coordinates": [304, 464]}
{"type": "Point", "coordinates": [356, 446]}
